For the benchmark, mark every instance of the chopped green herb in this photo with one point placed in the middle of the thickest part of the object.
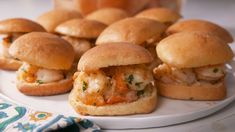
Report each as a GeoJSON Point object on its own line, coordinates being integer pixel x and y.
{"type": "Point", "coordinates": [39, 81]}
{"type": "Point", "coordinates": [138, 84]}
{"type": "Point", "coordinates": [17, 59]}
{"type": "Point", "coordinates": [215, 70]}
{"type": "Point", "coordinates": [23, 70]}
{"type": "Point", "coordinates": [130, 78]}
{"type": "Point", "coordinates": [139, 93]}
{"type": "Point", "coordinates": [84, 86]}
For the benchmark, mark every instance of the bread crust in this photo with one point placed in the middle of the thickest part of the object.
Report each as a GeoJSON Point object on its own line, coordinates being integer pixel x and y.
{"type": "Point", "coordinates": [107, 15]}
{"type": "Point", "coordinates": [132, 30]}
{"type": "Point", "coordinates": [51, 19]}
{"type": "Point", "coordinates": [143, 105]}
{"type": "Point", "coordinates": [193, 49]}
{"type": "Point", "coordinates": [43, 50]}
{"type": "Point", "coordinates": [163, 15]}
{"type": "Point", "coordinates": [53, 88]}
{"type": "Point", "coordinates": [81, 28]}
{"type": "Point", "coordinates": [200, 25]}
{"type": "Point", "coordinates": [22, 25]}
{"type": "Point", "coordinates": [9, 64]}
{"type": "Point", "coordinates": [113, 54]}
{"type": "Point", "coordinates": [192, 92]}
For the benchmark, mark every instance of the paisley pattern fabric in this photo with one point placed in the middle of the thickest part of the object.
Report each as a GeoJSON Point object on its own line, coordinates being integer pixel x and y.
{"type": "Point", "coordinates": [15, 118]}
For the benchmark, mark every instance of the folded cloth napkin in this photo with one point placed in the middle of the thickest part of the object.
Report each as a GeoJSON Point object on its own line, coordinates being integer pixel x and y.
{"type": "Point", "coordinates": [16, 118]}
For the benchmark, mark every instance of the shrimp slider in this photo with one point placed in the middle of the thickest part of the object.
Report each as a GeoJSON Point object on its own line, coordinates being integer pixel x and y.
{"type": "Point", "coordinates": [80, 33]}
{"type": "Point", "coordinates": [47, 60]}
{"type": "Point", "coordinates": [140, 31]}
{"type": "Point", "coordinates": [112, 79]}
{"type": "Point", "coordinates": [11, 29]}
{"type": "Point", "coordinates": [193, 66]}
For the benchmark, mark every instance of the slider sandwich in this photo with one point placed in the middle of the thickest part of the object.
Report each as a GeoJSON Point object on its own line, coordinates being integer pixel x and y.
{"type": "Point", "coordinates": [11, 29]}
{"type": "Point", "coordinates": [107, 15]}
{"type": "Point", "coordinates": [51, 19]}
{"type": "Point", "coordinates": [193, 66]}
{"type": "Point", "coordinates": [112, 79]}
{"type": "Point", "coordinates": [47, 61]}
{"type": "Point", "coordinates": [202, 26]}
{"type": "Point", "coordinates": [80, 33]}
{"type": "Point", "coordinates": [140, 31]}
{"type": "Point", "coordinates": [163, 15]}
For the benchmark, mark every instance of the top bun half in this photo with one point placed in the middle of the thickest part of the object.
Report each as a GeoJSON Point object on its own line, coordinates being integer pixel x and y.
{"type": "Point", "coordinates": [43, 50]}
{"type": "Point", "coordinates": [163, 15]}
{"type": "Point", "coordinates": [203, 26]}
{"type": "Point", "coordinates": [132, 30]}
{"type": "Point", "coordinates": [193, 49]}
{"type": "Point", "coordinates": [22, 25]}
{"type": "Point", "coordinates": [113, 54]}
{"type": "Point", "coordinates": [51, 19]}
{"type": "Point", "coordinates": [81, 28]}
{"type": "Point", "coordinates": [107, 15]}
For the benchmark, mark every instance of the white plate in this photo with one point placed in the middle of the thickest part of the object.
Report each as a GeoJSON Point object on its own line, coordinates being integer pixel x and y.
{"type": "Point", "coordinates": [169, 111]}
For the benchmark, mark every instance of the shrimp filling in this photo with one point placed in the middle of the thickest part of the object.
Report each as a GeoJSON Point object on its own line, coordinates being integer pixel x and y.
{"type": "Point", "coordinates": [207, 74]}
{"type": "Point", "coordinates": [33, 74]}
{"type": "Point", "coordinates": [6, 43]}
{"type": "Point", "coordinates": [113, 85]}
{"type": "Point", "coordinates": [80, 46]}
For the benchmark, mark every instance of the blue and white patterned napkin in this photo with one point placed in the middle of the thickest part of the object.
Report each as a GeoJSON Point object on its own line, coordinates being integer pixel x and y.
{"type": "Point", "coordinates": [19, 118]}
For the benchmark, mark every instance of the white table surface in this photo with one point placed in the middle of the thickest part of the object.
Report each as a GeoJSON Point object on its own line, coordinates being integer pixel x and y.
{"type": "Point", "coordinates": [221, 12]}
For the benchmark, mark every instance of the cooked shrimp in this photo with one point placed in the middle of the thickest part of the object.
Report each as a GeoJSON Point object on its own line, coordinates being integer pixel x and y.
{"type": "Point", "coordinates": [31, 74]}
{"type": "Point", "coordinates": [91, 87]}
{"type": "Point", "coordinates": [48, 75]}
{"type": "Point", "coordinates": [6, 43]}
{"type": "Point", "coordinates": [170, 74]}
{"type": "Point", "coordinates": [210, 73]}
{"type": "Point", "coordinates": [184, 75]}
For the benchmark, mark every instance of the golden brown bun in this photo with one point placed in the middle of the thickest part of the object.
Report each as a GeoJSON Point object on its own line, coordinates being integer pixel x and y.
{"type": "Point", "coordinates": [46, 89]}
{"type": "Point", "coordinates": [193, 92]}
{"type": "Point", "coordinates": [193, 49]}
{"type": "Point", "coordinates": [51, 19]}
{"type": "Point", "coordinates": [163, 15]}
{"type": "Point", "coordinates": [107, 15]}
{"type": "Point", "coordinates": [81, 28]}
{"type": "Point", "coordinates": [143, 105]}
{"type": "Point", "coordinates": [113, 54]}
{"type": "Point", "coordinates": [9, 64]}
{"type": "Point", "coordinates": [13, 25]}
{"type": "Point", "coordinates": [201, 25]}
{"type": "Point", "coordinates": [43, 50]}
{"type": "Point", "coordinates": [132, 30]}
{"type": "Point", "coordinates": [131, 6]}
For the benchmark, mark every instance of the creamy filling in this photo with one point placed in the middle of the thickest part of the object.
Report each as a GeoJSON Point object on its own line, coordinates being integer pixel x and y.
{"type": "Point", "coordinates": [80, 46]}
{"type": "Point", "coordinates": [113, 85]}
{"type": "Point", "coordinates": [33, 74]}
{"type": "Point", "coordinates": [207, 74]}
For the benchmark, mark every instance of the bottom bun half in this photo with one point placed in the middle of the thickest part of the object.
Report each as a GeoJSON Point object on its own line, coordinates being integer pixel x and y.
{"type": "Point", "coordinates": [193, 92]}
{"type": "Point", "coordinates": [35, 89]}
{"type": "Point", "coordinates": [9, 64]}
{"type": "Point", "coordinates": [143, 105]}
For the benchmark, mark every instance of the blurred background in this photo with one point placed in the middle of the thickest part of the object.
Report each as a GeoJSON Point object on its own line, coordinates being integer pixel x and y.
{"type": "Point", "coordinates": [218, 11]}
